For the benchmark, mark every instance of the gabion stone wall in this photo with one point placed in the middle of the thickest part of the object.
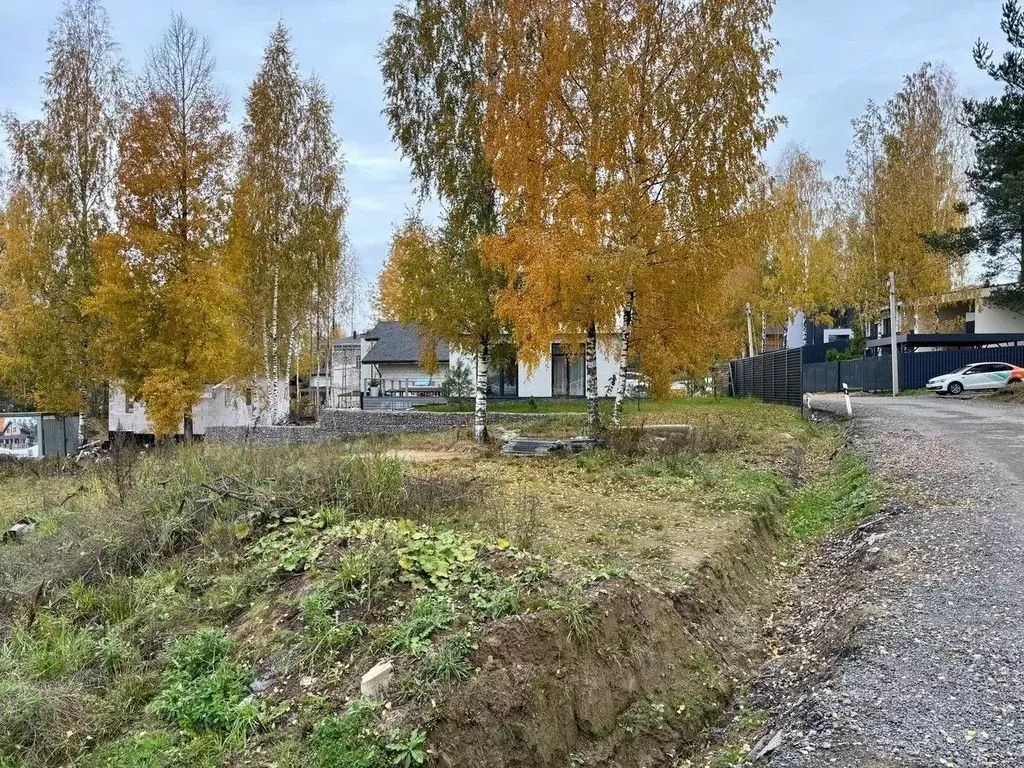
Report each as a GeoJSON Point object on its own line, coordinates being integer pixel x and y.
{"type": "Point", "coordinates": [339, 425]}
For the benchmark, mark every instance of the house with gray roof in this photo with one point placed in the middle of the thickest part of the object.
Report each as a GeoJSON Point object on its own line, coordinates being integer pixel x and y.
{"type": "Point", "coordinates": [393, 354]}
{"type": "Point", "coordinates": [391, 373]}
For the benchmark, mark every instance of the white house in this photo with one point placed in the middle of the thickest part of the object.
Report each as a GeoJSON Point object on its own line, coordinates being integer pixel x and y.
{"type": "Point", "coordinates": [969, 310]}
{"type": "Point", "coordinates": [563, 374]}
{"type": "Point", "coordinates": [385, 363]}
{"type": "Point", "coordinates": [223, 405]}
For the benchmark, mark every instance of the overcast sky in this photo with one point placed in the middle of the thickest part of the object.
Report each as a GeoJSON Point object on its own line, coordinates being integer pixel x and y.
{"type": "Point", "coordinates": [834, 56]}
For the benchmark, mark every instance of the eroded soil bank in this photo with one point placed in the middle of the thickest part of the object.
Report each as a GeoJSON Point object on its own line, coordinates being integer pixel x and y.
{"type": "Point", "coordinates": [636, 689]}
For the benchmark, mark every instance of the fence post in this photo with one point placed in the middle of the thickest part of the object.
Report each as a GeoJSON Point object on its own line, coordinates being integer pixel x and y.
{"type": "Point", "coordinates": [894, 325]}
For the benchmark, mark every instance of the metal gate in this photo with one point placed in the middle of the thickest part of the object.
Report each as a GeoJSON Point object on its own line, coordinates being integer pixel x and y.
{"type": "Point", "coordinates": [774, 377]}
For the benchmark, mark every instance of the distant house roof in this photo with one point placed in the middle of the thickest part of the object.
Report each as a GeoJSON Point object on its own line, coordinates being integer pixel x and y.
{"type": "Point", "coordinates": [350, 341]}
{"type": "Point", "coordinates": [397, 343]}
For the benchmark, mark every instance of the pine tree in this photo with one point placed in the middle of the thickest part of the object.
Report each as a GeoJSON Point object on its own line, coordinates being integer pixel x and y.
{"type": "Point", "coordinates": [997, 180]}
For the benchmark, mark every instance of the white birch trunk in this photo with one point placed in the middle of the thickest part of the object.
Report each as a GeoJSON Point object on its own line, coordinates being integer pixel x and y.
{"type": "Point", "coordinates": [275, 351]}
{"type": "Point", "coordinates": [483, 360]}
{"type": "Point", "coordinates": [288, 375]}
{"type": "Point", "coordinates": [590, 361]}
{"type": "Point", "coordinates": [625, 337]}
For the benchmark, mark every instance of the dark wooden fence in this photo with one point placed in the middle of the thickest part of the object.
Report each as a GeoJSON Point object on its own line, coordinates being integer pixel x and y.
{"type": "Point", "coordinates": [774, 377]}
{"type": "Point", "coordinates": [874, 374]}
{"type": "Point", "coordinates": [783, 377]}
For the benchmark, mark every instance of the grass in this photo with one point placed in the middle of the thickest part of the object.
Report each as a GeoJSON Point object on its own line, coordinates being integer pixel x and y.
{"type": "Point", "coordinates": [157, 588]}
{"type": "Point", "coordinates": [837, 501]}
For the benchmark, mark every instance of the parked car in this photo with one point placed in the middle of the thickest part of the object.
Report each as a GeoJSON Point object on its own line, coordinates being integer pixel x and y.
{"type": "Point", "coordinates": [977, 376]}
{"type": "Point", "coordinates": [637, 385]}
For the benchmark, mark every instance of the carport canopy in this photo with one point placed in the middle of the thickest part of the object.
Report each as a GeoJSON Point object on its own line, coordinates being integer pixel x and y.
{"type": "Point", "coordinates": [949, 340]}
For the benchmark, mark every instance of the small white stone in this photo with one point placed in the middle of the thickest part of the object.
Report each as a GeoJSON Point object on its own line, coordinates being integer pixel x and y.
{"type": "Point", "coordinates": [375, 682]}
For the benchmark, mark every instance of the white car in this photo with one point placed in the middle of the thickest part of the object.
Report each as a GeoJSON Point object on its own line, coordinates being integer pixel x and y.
{"type": "Point", "coordinates": [977, 376]}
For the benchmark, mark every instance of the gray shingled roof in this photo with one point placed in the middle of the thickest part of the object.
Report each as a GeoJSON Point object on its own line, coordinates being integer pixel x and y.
{"type": "Point", "coordinates": [397, 343]}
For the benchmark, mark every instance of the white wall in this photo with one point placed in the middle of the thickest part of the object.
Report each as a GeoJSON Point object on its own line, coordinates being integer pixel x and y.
{"type": "Point", "coordinates": [832, 334]}
{"type": "Point", "coordinates": [796, 327]}
{"type": "Point", "coordinates": [220, 406]}
{"type": "Point", "coordinates": [607, 366]}
{"type": "Point", "coordinates": [537, 384]}
{"type": "Point", "coordinates": [993, 319]}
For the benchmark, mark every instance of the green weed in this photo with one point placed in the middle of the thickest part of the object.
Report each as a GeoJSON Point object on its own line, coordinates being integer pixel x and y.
{"type": "Point", "coordinates": [54, 648]}
{"type": "Point", "coordinates": [408, 751]}
{"type": "Point", "coordinates": [202, 690]}
{"type": "Point", "coordinates": [349, 740]}
{"type": "Point", "coordinates": [451, 660]}
{"type": "Point", "coordinates": [834, 503]}
{"type": "Point", "coordinates": [430, 613]}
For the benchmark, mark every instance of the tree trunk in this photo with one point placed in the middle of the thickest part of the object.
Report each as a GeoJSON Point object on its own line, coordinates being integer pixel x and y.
{"type": "Point", "coordinates": [1020, 278]}
{"type": "Point", "coordinates": [590, 361]}
{"type": "Point", "coordinates": [188, 427]}
{"type": "Point", "coordinates": [275, 351]}
{"type": "Point", "coordinates": [288, 377]}
{"type": "Point", "coordinates": [626, 336]}
{"type": "Point", "coordinates": [483, 360]}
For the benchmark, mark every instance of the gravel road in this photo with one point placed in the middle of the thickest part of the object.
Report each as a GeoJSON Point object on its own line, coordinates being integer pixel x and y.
{"type": "Point", "coordinates": [925, 607]}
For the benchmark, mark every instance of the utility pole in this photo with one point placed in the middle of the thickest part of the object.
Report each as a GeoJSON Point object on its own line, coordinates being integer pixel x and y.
{"type": "Point", "coordinates": [893, 330]}
{"type": "Point", "coordinates": [750, 331]}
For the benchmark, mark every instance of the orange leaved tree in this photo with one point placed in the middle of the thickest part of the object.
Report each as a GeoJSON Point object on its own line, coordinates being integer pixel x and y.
{"type": "Point", "coordinates": [623, 135]}
{"type": "Point", "coordinates": [432, 64]}
{"type": "Point", "coordinates": [165, 299]}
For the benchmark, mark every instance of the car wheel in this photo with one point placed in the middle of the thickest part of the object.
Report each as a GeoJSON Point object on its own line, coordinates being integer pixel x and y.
{"type": "Point", "coordinates": [1014, 384]}
{"type": "Point", "coordinates": [956, 388]}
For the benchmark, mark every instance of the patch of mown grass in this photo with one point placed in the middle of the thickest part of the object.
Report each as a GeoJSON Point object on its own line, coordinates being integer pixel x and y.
{"type": "Point", "coordinates": [834, 502]}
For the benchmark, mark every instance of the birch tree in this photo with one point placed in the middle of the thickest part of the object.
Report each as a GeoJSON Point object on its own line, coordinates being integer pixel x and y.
{"type": "Point", "coordinates": [623, 136]}
{"type": "Point", "coordinates": [265, 207]}
{"type": "Point", "coordinates": [320, 227]}
{"type": "Point", "coordinates": [62, 170]}
{"type": "Point", "coordinates": [165, 296]}
{"type": "Point", "coordinates": [432, 64]}
{"type": "Point", "coordinates": [800, 271]}
{"type": "Point", "coordinates": [287, 230]}
{"type": "Point", "coordinates": [906, 178]}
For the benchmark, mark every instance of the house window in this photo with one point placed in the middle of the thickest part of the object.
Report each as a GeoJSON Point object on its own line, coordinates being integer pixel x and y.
{"type": "Point", "coordinates": [129, 405]}
{"type": "Point", "coordinates": [567, 372]}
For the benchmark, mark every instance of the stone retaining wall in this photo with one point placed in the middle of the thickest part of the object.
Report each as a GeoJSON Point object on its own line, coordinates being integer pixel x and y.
{"type": "Point", "coordinates": [339, 425]}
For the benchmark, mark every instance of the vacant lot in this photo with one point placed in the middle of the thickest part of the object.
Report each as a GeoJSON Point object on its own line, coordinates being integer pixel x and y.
{"type": "Point", "coordinates": [210, 604]}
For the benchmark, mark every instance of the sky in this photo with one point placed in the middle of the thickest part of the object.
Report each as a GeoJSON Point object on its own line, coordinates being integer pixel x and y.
{"type": "Point", "coordinates": [834, 55]}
